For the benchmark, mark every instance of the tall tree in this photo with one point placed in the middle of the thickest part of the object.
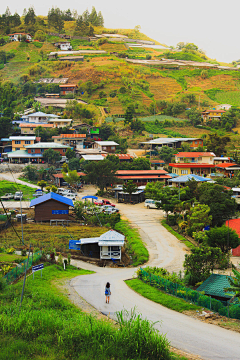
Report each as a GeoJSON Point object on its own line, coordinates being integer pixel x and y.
{"type": "Point", "coordinates": [223, 237]}
{"type": "Point", "coordinates": [100, 19]}
{"type": "Point", "coordinates": [102, 173]}
{"type": "Point", "coordinates": [52, 156]}
{"type": "Point", "coordinates": [130, 187]}
{"type": "Point", "coordinates": [219, 200]}
{"type": "Point", "coordinates": [30, 17]}
{"type": "Point", "coordinates": [55, 19]}
{"type": "Point", "coordinates": [93, 17]}
{"type": "Point", "coordinates": [5, 127]}
{"type": "Point", "coordinates": [199, 217]}
{"type": "Point", "coordinates": [72, 178]}
{"type": "Point", "coordinates": [217, 144]}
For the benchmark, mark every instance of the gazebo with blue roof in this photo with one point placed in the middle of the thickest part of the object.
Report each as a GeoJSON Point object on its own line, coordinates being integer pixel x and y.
{"type": "Point", "coordinates": [51, 207]}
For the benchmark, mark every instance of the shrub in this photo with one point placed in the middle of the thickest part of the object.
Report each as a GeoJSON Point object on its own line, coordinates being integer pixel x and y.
{"type": "Point", "coordinates": [10, 250]}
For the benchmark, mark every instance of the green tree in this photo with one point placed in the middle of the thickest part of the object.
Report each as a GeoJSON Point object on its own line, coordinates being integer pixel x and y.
{"type": "Point", "coordinates": [105, 131]}
{"type": "Point", "coordinates": [199, 217]}
{"type": "Point", "coordinates": [70, 154]}
{"type": "Point", "coordinates": [55, 19]}
{"type": "Point", "coordinates": [167, 199]}
{"type": "Point", "coordinates": [102, 173]}
{"type": "Point", "coordinates": [217, 144]}
{"type": "Point", "coordinates": [79, 209]}
{"type": "Point", "coordinates": [128, 116]}
{"type": "Point", "coordinates": [166, 153]}
{"type": "Point", "coordinates": [65, 168]}
{"type": "Point", "coordinates": [30, 17]}
{"type": "Point", "coordinates": [52, 156]}
{"type": "Point", "coordinates": [219, 200]}
{"type": "Point", "coordinates": [194, 116]}
{"type": "Point", "coordinates": [74, 164]}
{"type": "Point", "coordinates": [130, 187]}
{"type": "Point", "coordinates": [72, 177]}
{"type": "Point", "coordinates": [42, 184]}
{"type": "Point", "coordinates": [6, 127]}
{"type": "Point", "coordinates": [30, 172]}
{"type": "Point", "coordinates": [223, 238]}
{"type": "Point", "coordinates": [200, 263]}
{"type": "Point", "coordinates": [234, 284]}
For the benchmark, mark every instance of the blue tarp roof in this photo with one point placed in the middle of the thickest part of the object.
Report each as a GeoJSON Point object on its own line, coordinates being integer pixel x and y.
{"type": "Point", "coordinates": [90, 197]}
{"type": "Point", "coordinates": [52, 196]}
{"type": "Point", "coordinates": [185, 178]}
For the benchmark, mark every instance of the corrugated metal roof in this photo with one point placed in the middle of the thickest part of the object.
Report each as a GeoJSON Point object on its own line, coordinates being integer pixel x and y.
{"type": "Point", "coordinates": [215, 286]}
{"type": "Point", "coordinates": [106, 143]}
{"type": "Point", "coordinates": [93, 157]}
{"type": "Point", "coordinates": [22, 138]}
{"type": "Point", "coordinates": [46, 145]}
{"type": "Point", "coordinates": [191, 165]}
{"type": "Point", "coordinates": [128, 177]}
{"type": "Point", "coordinates": [22, 125]}
{"type": "Point", "coordinates": [194, 154]}
{"type": "Point", "coordinates": [23, 154]}
{"type": "Point", "coordinates": [141, 172]}
{"type": "Point", "coordinates": [52, 196]}
{"type": "Point", "coordinates": [225, 165]}
{"type": "Point", "coordinates": [112, 235]}
{"type": "Point", "coordinates": [185, 178]}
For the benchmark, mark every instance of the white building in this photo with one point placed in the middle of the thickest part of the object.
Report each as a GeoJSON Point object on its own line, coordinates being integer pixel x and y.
{"type": "Point", "coordinates": [223, 107]}
{"type": "Point", "coordinates": [18, 37]}
{"type": "Point", "coordinates": [39, 117]}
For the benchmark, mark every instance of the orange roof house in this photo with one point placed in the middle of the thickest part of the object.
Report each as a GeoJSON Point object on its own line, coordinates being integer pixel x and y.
{"type": "Point", "coordinates": [234, 224]}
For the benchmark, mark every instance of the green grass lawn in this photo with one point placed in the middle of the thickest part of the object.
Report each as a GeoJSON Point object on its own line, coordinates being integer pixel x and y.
{"type": "Point", "coordinates": [178, 236]}
{"type": "Point", "coordinates": [50, 327]}
{"type": "Point", "coordinates": [160, 118]}
{"type": "Point", "coordinates": [160, 297]}
{"type": "Point", "coordinates": [10, 257]}
{"type": "Point", "coordinates": [12, 187]}
{"type": "Point", "coordinates": [229, 97]}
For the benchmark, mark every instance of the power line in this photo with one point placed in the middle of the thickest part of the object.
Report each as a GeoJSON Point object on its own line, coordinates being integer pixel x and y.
{"type": "Point", "coordinates": [9, 219]}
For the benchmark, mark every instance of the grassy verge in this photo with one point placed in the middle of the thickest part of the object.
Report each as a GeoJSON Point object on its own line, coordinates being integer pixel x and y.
{"type": "Point", "coordinates": [28, 181]}
{"type": "Point", "coordinates": [12, 187]}
{"type": "Point", "coordinates": [134, 243]}
{"type": "Point", "coordinates": [10, 257]}
{"type": "Point", "coordinates": [50, 327]}
{"type": "Point", "coordinates": [178, 236]}
{"type": "Point", "coordinates": [160, 297]}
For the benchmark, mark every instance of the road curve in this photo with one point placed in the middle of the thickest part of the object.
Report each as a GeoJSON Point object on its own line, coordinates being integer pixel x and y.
{"type": "Point", "coordinates": [185, 333]}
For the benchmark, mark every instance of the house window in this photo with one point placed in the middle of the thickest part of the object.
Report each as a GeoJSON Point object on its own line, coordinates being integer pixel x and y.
{"type": "Point", "coordinates": [32, 151]}
{"type": "Point", "coordinates": [64, 150]}
{"type": "Point", "coordinates": [17, 149]}
{"type": "Point", "coordinates": [31, 128]}
{"type": "Point", "coordinates": [42, 150]}
{"type": "Point", "coordinates": [17, 142]}
{"type": "Point", "coordinates": [181, 159]}
{"type": "Point", "coordinates": [27, 142]}
{"type": "Point", "coordinates": [112, 147]}
{"type": "Point", "coordinates": [104, 148]}
{"type": "Point", "coordinates": [195, 142]}
{"type": "Point", "coordinates": [184, 171]}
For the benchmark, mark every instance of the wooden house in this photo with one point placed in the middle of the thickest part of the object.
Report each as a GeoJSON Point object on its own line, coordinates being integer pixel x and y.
{"type": "Point", "coordinates": [51, 206]}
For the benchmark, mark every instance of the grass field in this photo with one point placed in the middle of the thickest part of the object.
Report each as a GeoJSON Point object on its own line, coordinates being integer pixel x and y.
{"type": "Point", "coordinates": [10, 257]}
{"type": "Point", "coordinates": [159, 118]}
{"type": "Point", "coordinates": [230, 97]}
{"type": "Point", "coordinates": [151, 293]}
{"type": "Point", "coordinates": [12, 187]}
{"type": "Point", "coordinates": [46, 236]}
{"type": "Point", "coordinates": [50, 327]}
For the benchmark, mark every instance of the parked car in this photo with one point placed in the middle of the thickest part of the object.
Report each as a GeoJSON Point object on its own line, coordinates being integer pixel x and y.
{"type": "Point", "coordinates": [109, 209]}
{"type": "Point", "coordinates": [70, 196]}
{"type": "Point", "coordinates": [104, 202]}
{"type": "Point", "coordinates": [69, 192]}
{"type": "Point", "coordinates": [60, 191]}
{"type": "Point", "coordinates": [18, 195]}
{"type": "Point", "coordinates": [7, 196]}
{"type": "Point", "coordinates": [150, 204]}
{"type": "Point", "coordinates": [93, 210]}
{"type": "Point", "coordinates": [38, 193]}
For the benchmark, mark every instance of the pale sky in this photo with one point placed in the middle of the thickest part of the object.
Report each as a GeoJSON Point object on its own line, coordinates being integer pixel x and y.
{"type": "Point", "coordinates": [213, 25]}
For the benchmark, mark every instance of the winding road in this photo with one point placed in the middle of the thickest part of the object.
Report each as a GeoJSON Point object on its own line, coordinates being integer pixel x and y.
{"type": "Point", "coordinates": [185, 333]}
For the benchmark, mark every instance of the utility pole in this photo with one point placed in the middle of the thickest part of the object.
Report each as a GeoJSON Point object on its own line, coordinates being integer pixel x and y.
{"type": "Point", "coordinates": [21, 217]}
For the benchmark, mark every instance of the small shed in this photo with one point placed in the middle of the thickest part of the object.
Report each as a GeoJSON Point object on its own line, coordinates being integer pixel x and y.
{"type": "Point", "coordinates": [108, 246]}
{"type": "Point", "coordinates": [214, 286]}
{"type": "Point", "coordinates": [51, 207]}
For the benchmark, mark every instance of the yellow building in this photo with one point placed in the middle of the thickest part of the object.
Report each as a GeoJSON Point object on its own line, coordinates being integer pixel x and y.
{"type": "Point", "coordinates": [191, 168]}
{"type": "Point", "coordinates": [209, 115]}
{"type": "Point", "coordinates": [195, 157]}
{"type": "Point", "coordinates": [20, 142]}
{"type": "Point", "coordinates": [29, 129]}
{"type": "Point", "coordinates": [60, 123]}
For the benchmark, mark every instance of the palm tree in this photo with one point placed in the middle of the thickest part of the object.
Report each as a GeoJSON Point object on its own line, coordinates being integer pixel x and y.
{"type": "Point", "coordinates": [234, 284]}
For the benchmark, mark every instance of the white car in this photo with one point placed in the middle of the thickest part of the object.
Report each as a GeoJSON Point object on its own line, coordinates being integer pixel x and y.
{"type": "Point", "coordinates": [70, 196]}
{"type": "Point", "coordinates": [18, 195]}
{"type": "Point", "coordinates": [151, 204]}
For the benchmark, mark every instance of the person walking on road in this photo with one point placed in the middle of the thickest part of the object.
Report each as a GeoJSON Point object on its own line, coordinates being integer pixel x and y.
{"type": "Point", "coordinates": [107, 292]}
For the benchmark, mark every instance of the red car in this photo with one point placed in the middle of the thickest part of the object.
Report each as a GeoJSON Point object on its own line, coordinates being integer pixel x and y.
{"type": "Point", "coordinates": [104, 202]}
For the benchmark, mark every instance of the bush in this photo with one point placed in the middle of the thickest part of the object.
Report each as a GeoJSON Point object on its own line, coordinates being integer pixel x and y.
{"type": "Point", "coordinates": [10, 250]}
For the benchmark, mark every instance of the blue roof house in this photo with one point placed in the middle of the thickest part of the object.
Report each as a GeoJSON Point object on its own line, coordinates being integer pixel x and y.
{"type": "Point", "coordinates": [51, 206]}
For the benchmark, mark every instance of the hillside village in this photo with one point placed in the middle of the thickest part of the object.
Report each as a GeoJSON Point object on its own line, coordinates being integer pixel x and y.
{"type": "Point", "coordinates": [120, 163]}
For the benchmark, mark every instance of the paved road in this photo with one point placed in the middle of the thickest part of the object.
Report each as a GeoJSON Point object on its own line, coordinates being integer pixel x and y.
{"type": "Point", "coordinates": [185, 333]}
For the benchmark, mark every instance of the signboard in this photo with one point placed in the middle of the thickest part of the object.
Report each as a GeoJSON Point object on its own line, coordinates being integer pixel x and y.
{"type": "Point", "coordinates": [37, 268]}
{"type": "Point", "coordinates": [59, 212]}
{"type": "Point", "coordinates": [73, 245]}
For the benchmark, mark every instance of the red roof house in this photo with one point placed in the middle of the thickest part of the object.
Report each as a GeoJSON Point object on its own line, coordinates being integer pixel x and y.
{"type": "Point", "coordinates": [234, 224]}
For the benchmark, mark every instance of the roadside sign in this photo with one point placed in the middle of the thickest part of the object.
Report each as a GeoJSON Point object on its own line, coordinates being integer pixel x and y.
{"type": "Point", "coordinates": [37, 268]}
{"type": "Point", "coordinates": [73, 245]}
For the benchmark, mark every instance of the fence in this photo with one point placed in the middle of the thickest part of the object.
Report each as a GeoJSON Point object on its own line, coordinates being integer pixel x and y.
{"type": "Point", "coordinates": [16, 272]}
{"type": "Point", "coordinates": [198, 298]}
